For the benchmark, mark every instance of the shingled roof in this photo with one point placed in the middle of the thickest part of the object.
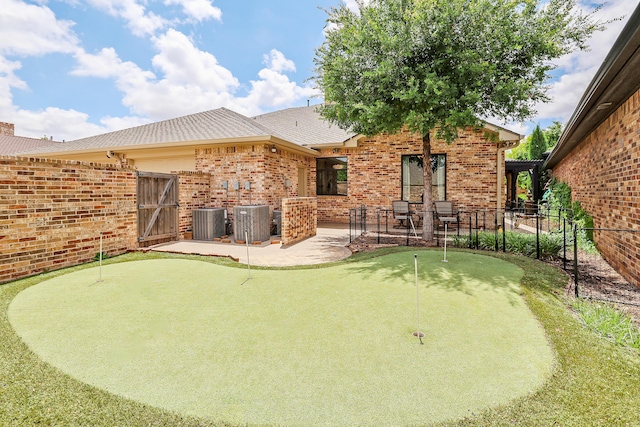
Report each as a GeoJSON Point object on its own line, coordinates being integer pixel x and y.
{"type": "Point", "coordinates": [212, 125]}
{"type": "Point", "coordinates": [304, 126]}
{"type": "Point", "coordinates": [301, 126]}
{"type": "Point", "coordinates": [13, 145]}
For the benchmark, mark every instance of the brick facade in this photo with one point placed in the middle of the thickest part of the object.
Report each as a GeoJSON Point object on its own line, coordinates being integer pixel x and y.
{"type": "Point", "coordinates": [194, 191]}
{"type": "Point", "coordinates": [375, 173]}
{"type": "Point", "coordinates": [52, 214]}
{"type": "Point", "coordinates": [299, 219]}
{"type": "Point", "coordinates": [7, 129]}
{"type": "Point", "coordinates": [266, 171]}
{"type": "Point", "coordinates": [604, 174]}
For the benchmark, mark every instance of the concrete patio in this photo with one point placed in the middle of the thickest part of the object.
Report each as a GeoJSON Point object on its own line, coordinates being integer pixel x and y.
{"type": "Point", "coordinates": [329, 244]}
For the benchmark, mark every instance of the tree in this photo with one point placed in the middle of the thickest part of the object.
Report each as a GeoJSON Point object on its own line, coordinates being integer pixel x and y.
{"type": "Point", "coordinates": [552, 134]}
{"type": "Point", "coordinates": [537, 145]}
{"type": "Point", "coordinates": [440, 65]}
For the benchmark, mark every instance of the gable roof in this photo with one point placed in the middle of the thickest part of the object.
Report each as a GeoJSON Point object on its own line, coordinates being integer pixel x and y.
{"type": "Point", "coordinates": [616, 80]}
{"type": "Point", "coordinates": [12, 145]}
{"type": "Point", "coordinates": [213, 125]}
{"type": "Point", "coordinates": [304, 126]}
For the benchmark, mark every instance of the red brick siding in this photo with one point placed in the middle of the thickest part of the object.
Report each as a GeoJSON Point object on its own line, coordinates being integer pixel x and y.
{"type": "Point", "coordinates": [194, 192]}
{"type": "Point", "coordinates": [375, 173]}
{"type": "Point", "coordinates": [265, 170]}
{"type": "Point", "coordinates": [52, 213]}
{"type": "Point", "coordinates": [299, 219]}
{"type": "Point", "coordinates": [604, 175]}
{"type": "Point", "coordinates": [7, 129]}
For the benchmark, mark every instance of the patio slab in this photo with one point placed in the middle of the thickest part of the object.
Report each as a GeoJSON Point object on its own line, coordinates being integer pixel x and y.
{"type": "Point", "coordinates": [329, 244]}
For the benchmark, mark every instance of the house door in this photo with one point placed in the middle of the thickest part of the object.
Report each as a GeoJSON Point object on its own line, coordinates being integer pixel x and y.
{"type": "Point", "coordinates": [157, 199]}
{"type": "Point", "coordinates": [302, 183]}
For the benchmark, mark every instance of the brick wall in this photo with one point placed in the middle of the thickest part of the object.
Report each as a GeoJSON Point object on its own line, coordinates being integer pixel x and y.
{"type": "Point", "coordinates": [604, 175]}
{"type": "Point", "coordinates": [193, 192]}
{"type": "Point", "coordinates": [6, 129]}
{"type": "Point", "coordinates": [257, 164]}
{"type": "Point", "coordinates": [52, 213]}
{"type": "Point", "coordinates": [299, 219]}
{"type": "Point", "coordinates": [375, 173]}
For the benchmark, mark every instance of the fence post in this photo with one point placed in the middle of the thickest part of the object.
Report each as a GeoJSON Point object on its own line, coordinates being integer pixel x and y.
{"type": "Point", "coordinates": [470, 234]}
{"type": "Point", "coordinates": [408, 232]}
{"type": "Point", "coordinates": [504, 233]}
{"type": "Point", "coordinates": [564, 243]}
{"type": "Point", "coordinates": [350, 210]}
{"type": "Point", "coordinates": [476, 242]}
{"type": "Point", "coordinates": [495, 228]}
{"type": "Point", "coordinates": [378, 226]}
{"type": "Point", "coordinates": [537, 236]}
{"type": "Point", "coordinates": [575, 258]}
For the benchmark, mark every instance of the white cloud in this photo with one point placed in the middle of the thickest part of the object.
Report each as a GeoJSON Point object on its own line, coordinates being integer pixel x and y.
{"type": "Point", "coordinates": [579, 68]}
{"type": "Point", "coordinates": [189, 80]}
{"type": "Point", "coordinates": [277, 62]}
{"type": "Point", "coordinates": [54, 122]}
{"type": "Point", "coordinates": [184, 64]}
{"type": "Point", "coordinates": [199, 10]}
{"type": "Point", "coordinates": [140, 21]}
{"type": "Point", "coordinates": [28, 29]}
{"type": "Point", "coordinates": [274, 89]}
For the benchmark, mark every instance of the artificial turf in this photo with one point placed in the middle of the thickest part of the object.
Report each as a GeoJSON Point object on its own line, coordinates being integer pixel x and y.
{"type": "Point", "coordinates": [328, 346]}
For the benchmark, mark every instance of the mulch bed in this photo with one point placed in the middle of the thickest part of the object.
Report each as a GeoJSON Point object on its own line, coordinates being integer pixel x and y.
{"type": "Point", "coordinates": [597, 280]}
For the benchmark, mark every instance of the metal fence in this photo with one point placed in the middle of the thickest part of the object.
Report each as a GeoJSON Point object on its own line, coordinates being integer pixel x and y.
{"type": "Point", "coordinates": [548, 233]}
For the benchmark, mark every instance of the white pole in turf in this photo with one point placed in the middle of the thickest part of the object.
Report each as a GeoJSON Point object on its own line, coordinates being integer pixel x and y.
{"type": "Point", "coordinates": [445, 243]}
{"type": "Point", "coordinates": [246, 240]}
{"type": "Point", "coordinates": [417, 333]}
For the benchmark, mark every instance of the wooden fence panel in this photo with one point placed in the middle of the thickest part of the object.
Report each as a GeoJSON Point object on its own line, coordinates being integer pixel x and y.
{"type": "Point", "coordinates": [157, 196]}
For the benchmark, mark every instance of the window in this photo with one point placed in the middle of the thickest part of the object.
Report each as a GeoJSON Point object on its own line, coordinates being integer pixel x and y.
{"type": "Point", "coordinates": [331, 176]}
{"type": "Point", "coordinates": [413, 177]}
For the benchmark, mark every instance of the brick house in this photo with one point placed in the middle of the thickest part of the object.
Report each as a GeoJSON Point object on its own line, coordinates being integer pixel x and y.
{"type": "Point", "coordinates": [294, 153]}
{"type": "Point", "coordinates": [598, 154]}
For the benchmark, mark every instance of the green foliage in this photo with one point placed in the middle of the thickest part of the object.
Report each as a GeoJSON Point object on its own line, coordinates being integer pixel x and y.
{"type": "Point", "coordinates": [552, 134]}
{"type": "Point", "coordinates": [96, 257]}
{"type": "Point", "coordinates": [538, 144]}
{"type": "Point", "coordinates": [560, 195]}
{"type": "Point", "coordinates": [521, 152]}
{"type": "Point", "coordinates": [560, 198]}
{"type": "Point", "coordinates": [516, 243]}
{"type": "Point", "coordinates": [441, 64]}
{"type": "Point", "coordinates": [608, 322]}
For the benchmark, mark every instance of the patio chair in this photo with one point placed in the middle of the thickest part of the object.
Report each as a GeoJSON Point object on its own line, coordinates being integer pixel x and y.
{"type": "Point", "coordinates": [402, 213]}
{"type": "Point", "coordinates": [445, 212]}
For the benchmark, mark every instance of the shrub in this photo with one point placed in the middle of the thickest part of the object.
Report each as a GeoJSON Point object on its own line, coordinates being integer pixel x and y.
{"type": "Point", "coordinates": [517, 243]}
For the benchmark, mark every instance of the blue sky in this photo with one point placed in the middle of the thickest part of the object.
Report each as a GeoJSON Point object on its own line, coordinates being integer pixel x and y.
{"type": "Point", "coordinates": [75, 68]}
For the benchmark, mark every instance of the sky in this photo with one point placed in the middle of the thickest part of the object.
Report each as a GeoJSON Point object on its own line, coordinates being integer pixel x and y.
{"type": "Point", "coordinates": [76, 68]}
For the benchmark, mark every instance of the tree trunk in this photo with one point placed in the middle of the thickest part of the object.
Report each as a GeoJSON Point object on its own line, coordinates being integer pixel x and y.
{"type": "Point", "coordinates": [427, 198]}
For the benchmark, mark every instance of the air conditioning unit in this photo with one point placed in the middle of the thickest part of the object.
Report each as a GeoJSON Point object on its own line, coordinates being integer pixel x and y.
{"type": "Point", "coordinates": [254, 219]}
{"type": "Point", "coordinates": [208, 223]}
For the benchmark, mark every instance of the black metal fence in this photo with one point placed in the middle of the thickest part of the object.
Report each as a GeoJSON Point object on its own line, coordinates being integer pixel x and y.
{"type": "Point", "coordinates": [549, 233]}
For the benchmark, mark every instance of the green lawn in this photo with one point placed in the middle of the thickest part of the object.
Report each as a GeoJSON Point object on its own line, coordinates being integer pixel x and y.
{"type": "Point", "coordinates": [347, 350]}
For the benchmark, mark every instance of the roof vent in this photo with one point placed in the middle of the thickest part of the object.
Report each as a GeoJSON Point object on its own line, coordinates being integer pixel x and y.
{"type": "Point", "coordinates": [603, 106]}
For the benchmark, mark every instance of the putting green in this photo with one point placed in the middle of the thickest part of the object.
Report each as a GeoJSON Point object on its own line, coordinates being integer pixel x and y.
{"type": "Point", "coordinates": [329, 346]}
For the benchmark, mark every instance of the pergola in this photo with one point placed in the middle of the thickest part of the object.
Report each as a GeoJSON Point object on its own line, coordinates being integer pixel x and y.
{"type": "Point", "coordinates": [513, 169]}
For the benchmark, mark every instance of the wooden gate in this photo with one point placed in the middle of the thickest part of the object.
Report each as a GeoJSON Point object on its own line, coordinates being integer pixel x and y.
{"type": "Point", "coordinates": [157, 196]}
